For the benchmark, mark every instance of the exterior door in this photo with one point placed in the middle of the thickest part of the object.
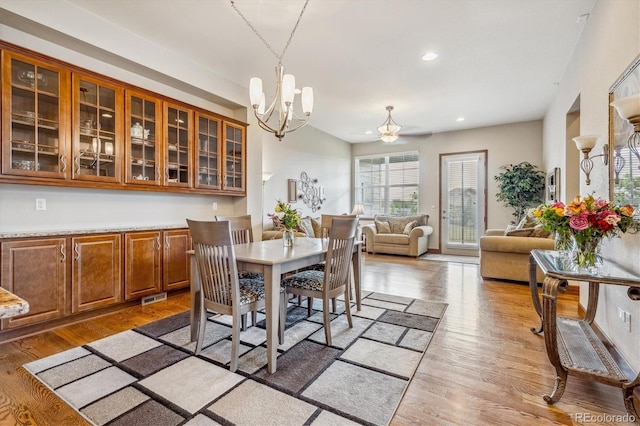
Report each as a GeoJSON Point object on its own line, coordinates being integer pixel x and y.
{"type": "Point", "coordinates": [463, 202]}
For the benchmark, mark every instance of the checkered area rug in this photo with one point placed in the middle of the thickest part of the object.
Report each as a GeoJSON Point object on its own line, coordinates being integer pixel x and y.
{"type": "Point", "coordinates": [149, 375]}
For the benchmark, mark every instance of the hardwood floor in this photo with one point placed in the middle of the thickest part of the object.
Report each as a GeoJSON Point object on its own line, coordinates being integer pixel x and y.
{"type": "Point", "coordinates": [483, 366]}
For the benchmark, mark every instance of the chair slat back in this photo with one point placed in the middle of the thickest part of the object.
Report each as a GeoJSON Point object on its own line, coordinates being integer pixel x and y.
{"type": "Point", "coordinates": [215, 260]}
{"type": "Point", "coordinates": [241, 230]}
{"type": "Point", "coordinates": [327, 219]}
{"type": "Point", "coordinates": [342, 236]}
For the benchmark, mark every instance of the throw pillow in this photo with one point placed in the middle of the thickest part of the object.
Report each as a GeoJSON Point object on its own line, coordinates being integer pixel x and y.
{"type": "Point", "coordinates": [509, 228]}
{"type": "Point", "coordinates": [539, 232]}
{"type": "Point", "coordinates": [383, 227]}
{"type": "Point", "coordinates": [317, 227]}
{"type": "Point", "coordinates": [520, 232]}
{"type": "Point", "coordinates": [306, 226]}
{"type": "Point", "coordinates": [528, 220]}
{"type": "Point", "coordinates": [408, 227]}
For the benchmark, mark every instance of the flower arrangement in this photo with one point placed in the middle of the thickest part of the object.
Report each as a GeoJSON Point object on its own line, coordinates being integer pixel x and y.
{"type": "Point", "coordinates": [587, 220]}
{"type": "Point", "coordinates": [284, 216]}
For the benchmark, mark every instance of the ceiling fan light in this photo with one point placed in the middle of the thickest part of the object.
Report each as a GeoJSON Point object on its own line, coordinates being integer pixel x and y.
{"type": "Point", "coordinates": [388, 138]}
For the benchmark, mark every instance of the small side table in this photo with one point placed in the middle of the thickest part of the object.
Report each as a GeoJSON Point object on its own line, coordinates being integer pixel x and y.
{"type": "Point", "coordinates": [572, 346]}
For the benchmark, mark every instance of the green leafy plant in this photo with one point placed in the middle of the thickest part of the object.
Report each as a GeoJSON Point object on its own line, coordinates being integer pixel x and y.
{"type": "Point", "coordinates": [521, 186]}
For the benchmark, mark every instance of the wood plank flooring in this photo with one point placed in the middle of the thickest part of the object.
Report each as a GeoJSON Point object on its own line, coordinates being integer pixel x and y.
{"type": "Point", "coordinates": [483, 367]}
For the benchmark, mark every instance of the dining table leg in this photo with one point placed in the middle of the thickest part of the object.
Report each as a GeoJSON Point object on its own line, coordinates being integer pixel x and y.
{"type": "Point", "coordinates": [196, 299]}
{"type": "Point", "coordinates": [356, 260]}
{"type": "Point", "coordinates": [272, 307]}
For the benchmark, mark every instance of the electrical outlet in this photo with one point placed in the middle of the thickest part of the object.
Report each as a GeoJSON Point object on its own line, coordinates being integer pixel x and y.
{"type": "Point", "coordinates": [215, 206]}
{"type": "Point", "coordinates": [625, 317]}
{"type": "Point", "coordinates": [41, 204]}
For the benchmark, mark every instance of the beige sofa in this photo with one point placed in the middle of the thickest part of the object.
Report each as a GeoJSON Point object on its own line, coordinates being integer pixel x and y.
{"type": "Point", "coordinates": [390, 235]}
{"type": "Point", "coordinates": [507, 257]}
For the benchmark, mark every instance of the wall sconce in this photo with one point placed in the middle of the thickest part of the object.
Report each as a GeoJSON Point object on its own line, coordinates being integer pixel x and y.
{"type": "Point", "coordinates": [586, 144]}
{"type": "Point", "coordinates": [629, 109]}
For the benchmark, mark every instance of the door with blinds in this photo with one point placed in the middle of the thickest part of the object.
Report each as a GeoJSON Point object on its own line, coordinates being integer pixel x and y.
{"type": "Point", "coordinates": [463, 202]}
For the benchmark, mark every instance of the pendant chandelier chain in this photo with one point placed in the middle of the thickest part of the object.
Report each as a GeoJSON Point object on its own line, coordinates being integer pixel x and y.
{"type": "Point", "coordinates": [278, 57]}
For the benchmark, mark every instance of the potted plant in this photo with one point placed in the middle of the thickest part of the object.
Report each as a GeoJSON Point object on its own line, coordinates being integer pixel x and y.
{"type": "Point", "coordinates": [521, 186]}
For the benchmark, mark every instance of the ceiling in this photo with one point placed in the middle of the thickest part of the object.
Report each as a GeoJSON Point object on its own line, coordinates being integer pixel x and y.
{"type": "Point", "coordinates": [500, 61]}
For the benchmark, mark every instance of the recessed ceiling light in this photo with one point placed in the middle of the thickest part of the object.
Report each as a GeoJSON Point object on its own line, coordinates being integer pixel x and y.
{"type": "Point", "coordinates": [430, 56]}
{"type": "Point", "coordinates": [368, 132]}
{"type": "Point", "coordinates": [460, 119]}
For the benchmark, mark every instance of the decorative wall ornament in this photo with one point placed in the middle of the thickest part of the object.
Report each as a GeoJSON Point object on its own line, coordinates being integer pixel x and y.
{"type": "Point", "coordinates": [311, 193]}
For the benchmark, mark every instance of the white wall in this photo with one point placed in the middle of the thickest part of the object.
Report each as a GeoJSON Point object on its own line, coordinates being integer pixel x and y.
{"type": "Point", "coordinates": [321, 156]}
{"type": "Point", "coordinates": [506, 144]}
{"type": "Point", "coordinates": [608, 45]}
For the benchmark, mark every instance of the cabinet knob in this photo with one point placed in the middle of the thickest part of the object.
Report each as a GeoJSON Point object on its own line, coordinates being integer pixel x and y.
{"type": "Point", "coordinates": [63, 161]}
{"type": "Point", "coordinates": [166, 241]}
{"type": "Point", "coordinates": [76, 250]}
{"type": "Point", "coordinates": [77, 161]}
{"type": "Point", "coordinates": [63, 253]}
{"type": "Point", "coordinates": [158, 243]}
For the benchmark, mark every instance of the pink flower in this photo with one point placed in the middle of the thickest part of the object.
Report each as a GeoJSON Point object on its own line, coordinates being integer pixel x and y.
{"type": "Point", "coordinates": [610, 217]}
{"type": "Point", "coordinates": [601, 204]}
{"type": "Point", "coordinates": [579, 222]}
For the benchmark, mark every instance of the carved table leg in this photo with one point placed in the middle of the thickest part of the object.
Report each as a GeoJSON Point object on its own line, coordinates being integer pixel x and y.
{"type": "Point", "coordinates": [533, 287]}
{"type": "Point", "coordinates": [592, 303]}
{"type": "Point", "coordinates": [549, 304]}
{"type": "Point", "coordinates": [627, 394]}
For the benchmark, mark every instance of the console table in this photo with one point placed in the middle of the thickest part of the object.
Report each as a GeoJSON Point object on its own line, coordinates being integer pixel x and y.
{"type": "Point", "coordinates": [572, 346]}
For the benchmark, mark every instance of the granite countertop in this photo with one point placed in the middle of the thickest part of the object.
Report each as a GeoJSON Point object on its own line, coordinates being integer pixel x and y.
{"type": "Point", "coordinates": [55, 233]}
{"type": "Point", "coordinates": [11, 305]}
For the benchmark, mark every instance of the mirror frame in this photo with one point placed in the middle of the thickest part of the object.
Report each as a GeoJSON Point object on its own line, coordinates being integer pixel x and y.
{"type": "Point", "coordinates": [626, 85]}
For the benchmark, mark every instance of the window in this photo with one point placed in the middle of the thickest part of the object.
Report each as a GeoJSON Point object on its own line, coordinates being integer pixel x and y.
{"type": "Point", "coordinates": [388, 184]}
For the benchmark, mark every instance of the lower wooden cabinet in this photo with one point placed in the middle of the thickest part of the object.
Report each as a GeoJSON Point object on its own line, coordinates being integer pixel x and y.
{"type": "Point", "coordinates": [36, 271]}
{"type": "Point", "coordinates": [63, 275]}
{"type": "Point", "coordinates": [96, 272]}
{"type": "Point", "coordinates": [143, 266]}
{"type": "Point", "coordinates": [175, 261]}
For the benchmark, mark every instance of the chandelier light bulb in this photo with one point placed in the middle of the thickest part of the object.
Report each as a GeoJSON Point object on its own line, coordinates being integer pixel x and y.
{"type": "Point", "coordinates": [262, 104]}
{"type": "Point", "coordinates": [255, 91]}
{"type": "Point", "coordinates": [307, 100]}
{"type": "Point", "coordinates": [288, 88]}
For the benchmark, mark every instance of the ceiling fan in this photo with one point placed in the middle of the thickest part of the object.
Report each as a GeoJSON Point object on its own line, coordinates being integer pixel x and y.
{"type": "Point", "coordinates": [390, 131]}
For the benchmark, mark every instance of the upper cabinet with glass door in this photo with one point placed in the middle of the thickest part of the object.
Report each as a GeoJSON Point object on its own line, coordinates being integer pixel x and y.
{"type": "Point", "coordinates": [178, 134]}
{"type": "Point", "coordinates": [35, 119]}
{"type": "Point", "coordinates": [144, 136]}
{"type": "Point", "coordinates": [234, 158]}
{"type": "Point", "coordinates": [97, 130]}
{"type": "Point", "coordinates": [208, 152]}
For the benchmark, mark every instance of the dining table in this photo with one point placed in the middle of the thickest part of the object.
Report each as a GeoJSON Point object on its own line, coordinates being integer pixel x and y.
{"type": "Point", "coordinates": [272, 259]}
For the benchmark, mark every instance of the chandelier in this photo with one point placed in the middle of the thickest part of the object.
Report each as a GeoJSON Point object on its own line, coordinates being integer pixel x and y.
{"type": "Point", "coordinates": [279, 117]}
{"type": "Point", "coordinates": [389, 129]}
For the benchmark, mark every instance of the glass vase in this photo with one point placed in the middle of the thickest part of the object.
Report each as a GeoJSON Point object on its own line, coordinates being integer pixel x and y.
{"type": "Point", "coordinates": [287, 238]}
{"type": "Point", "coordinates": [563, 243]}
{"type": "Point", "coordinates": [586, 253]}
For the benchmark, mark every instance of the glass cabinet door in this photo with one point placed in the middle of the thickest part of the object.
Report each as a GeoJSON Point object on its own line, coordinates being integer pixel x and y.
{"type": "Point", "coordinates": [143, 130]}
{"type": "Point", "coordinates": [178, 131]}
{"type": "Point", "coordinates": [234, 157]}
{"type": "Point", "coordinates": [35, 107]}
{"type": "Point", "coordinates": [97, 130]}
{"type": "Point", "coordinates": [207, 170]}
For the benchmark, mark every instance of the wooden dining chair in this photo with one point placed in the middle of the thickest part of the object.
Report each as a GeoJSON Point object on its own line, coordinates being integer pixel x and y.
{"type": "Point", "coordinates": [334, 279]}
{"type": "Point", "coordinates": [325, 226]}
{"type": "Point", "coordinates": [241, 233]}
{"type": "Point", "coordinates": [222, 290]}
